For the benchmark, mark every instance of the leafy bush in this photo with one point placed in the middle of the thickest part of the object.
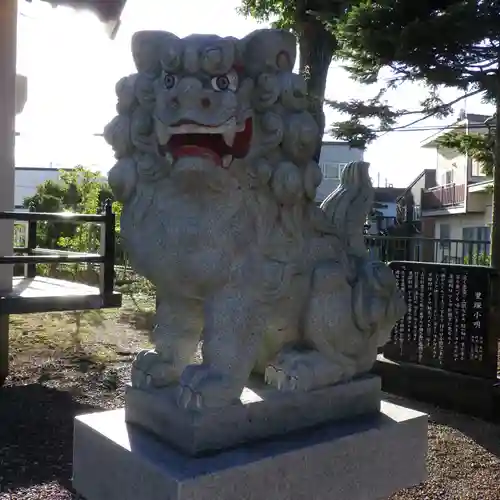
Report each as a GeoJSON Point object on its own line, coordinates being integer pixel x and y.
{"type": "Point", "coordinates": [477, 259]}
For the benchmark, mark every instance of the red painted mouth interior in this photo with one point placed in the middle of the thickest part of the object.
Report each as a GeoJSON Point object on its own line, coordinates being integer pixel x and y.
{"type": "Point", "coordinates": [212, 145]}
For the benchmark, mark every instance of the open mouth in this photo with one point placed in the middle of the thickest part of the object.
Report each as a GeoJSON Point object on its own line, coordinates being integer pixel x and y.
{"type": "Point", "coordinates": [222, 144]}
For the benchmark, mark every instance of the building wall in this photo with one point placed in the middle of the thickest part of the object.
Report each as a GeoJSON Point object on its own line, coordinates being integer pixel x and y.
{"type": "Point", "coordinates": [334, 156]}
{"type": "Point", "coordinates": [27, 179]}
{"type": "Point", "coordinates": [453, 163]}
{"type": "Point", "coordinates": [463, 168]}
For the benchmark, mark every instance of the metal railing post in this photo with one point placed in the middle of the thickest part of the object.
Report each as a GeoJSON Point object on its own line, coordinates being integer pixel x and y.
{"type": "Point", "coordinates": [107, 274]}
{"type": "Point", "coordinates": [30, 269]}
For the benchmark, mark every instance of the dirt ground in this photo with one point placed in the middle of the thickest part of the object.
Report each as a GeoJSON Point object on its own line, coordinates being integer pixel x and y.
{"type": "Point", "coordinates": [59, 371]}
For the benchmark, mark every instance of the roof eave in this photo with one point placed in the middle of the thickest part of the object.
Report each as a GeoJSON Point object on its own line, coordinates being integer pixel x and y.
{"type": "Point", "coordinates": [108, 12]}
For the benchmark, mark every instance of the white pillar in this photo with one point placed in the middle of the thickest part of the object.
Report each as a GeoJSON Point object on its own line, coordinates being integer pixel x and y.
{"type": "Point", "coordinates": [8, 42]}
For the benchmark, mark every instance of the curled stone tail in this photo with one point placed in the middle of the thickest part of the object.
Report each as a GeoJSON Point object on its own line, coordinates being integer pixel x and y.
{"type": "Point", "coordinates": [347, 207]}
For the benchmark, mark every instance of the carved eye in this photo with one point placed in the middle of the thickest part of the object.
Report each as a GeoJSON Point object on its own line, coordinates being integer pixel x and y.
{"type": "Point", "coordinates": [225, 82]}
{"type": "Point", "coordinates": [169, 81]}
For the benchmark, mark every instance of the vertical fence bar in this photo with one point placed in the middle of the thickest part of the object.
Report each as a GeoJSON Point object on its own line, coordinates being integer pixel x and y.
{"type": "Point", "coordinates": [4, 347]}
{"type": "Point", "coordinates": [30, 269]}
{"type": "Point", "coordinates": [108, 250]}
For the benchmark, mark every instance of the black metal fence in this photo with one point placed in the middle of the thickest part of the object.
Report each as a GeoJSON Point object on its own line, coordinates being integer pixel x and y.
{"type": "Point", "coordinates": [441, 251]}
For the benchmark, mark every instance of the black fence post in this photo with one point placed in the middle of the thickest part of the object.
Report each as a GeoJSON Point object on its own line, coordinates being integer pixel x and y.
{"type": "Point", "coordinates": [4, 347]}
{"type": "Point", "coordinates": [30, 269]}
{"type": "Point", "coordinates": [108, 249]}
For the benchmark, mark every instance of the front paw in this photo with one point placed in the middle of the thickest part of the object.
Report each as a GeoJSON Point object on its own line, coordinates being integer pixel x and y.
{"type": "Point", "coordinates": [203, 387]}
{"type": "Point", "coordinates": [150, 370]}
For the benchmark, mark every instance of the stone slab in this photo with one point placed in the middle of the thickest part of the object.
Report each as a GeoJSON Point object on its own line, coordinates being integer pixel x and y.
{"type": "Point", "coordinates": [263, 412]}
{"type": "Point", "coordinates": [454, 391]}
{"type": "Point", "coordinates": [368, 458]}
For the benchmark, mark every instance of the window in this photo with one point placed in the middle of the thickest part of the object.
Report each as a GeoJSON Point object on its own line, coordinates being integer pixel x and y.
{"type": "Point", "coordinates": [417, 212]}
{"type": "Point", "coordinates": [330, 170]}
{"type": "Point", "coordinates": [448, 177]}
{"type": "Point", "coordinates": [476, 169]}
{"type": "Point", "coordinates": [481, 233]}
{"type": "Point", "coordinates": [444, 234]}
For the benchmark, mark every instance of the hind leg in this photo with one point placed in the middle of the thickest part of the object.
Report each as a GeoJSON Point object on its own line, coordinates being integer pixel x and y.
{"type": "Point", "coordinates": [176, 336]}
{"type": "Point", "coordinates": [330, 337]}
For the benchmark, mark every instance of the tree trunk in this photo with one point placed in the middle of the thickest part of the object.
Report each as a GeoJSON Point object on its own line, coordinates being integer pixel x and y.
{"type": "Point", "coordinates": [317, 47]}
{"type": "Point", "coordinates": [494, 316]}
{"type": "Point", "coordinates": [495, 228]}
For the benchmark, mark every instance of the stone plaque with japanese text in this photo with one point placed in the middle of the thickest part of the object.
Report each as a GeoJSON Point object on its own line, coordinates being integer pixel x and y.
{"type": "Point", "coordinates": [446, 325]}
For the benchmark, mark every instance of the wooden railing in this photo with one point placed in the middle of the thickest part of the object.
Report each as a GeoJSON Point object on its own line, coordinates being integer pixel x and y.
{"type": "Point", "coordinates": [443, 196]}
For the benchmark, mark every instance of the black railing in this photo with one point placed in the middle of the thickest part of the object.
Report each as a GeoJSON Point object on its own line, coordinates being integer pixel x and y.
{"type": "Point", "coordinates": [32, 255]}
{"type": "Point", "coordinates": [442, 251]}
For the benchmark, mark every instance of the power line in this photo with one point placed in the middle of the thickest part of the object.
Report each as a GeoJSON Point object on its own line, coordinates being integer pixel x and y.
{"type": "Point", "coordinates": [435, 112]}
{"type": "Point", "coordinates": [431, 128]}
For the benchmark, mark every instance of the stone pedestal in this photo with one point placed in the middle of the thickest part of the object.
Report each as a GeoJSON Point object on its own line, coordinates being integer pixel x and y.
{"type": "Point", "coordinates": [262, 412]}
{"type": "Point", "coordinates": [365, 458]}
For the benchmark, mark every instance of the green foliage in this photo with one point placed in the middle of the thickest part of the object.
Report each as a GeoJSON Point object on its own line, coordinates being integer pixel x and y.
{"type": "Point", "coordinates": [355, 130]}
{"type": "Point", "coordinates": [448, 42]}
{"type": "Point", "coordinates": [443, 43]}
{"type": "Point", "coordinates": [479, 147]}
{"type": "Point", "coordinates": [478, 259]}
{"type": "Point", "coordinates": [320, 25]}
{"type": "Point", "coordinates": [78, 191]}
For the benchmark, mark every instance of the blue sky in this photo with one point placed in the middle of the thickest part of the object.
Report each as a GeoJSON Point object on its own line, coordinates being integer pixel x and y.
{"type": "Point", "coordinates": [72, 68]}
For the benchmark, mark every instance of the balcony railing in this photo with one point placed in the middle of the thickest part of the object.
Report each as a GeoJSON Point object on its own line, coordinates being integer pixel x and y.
{"type": "Point", "coordinates": [439, 197]}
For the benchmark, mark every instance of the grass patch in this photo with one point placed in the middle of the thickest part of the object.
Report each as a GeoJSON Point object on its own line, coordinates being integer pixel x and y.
{"type": "Point", "coordinates": [86, 338]}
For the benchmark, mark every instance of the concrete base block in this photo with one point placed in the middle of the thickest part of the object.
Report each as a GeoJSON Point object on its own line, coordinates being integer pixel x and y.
{"type": "Point", "coordinates": [262, 411]}
{"type": "Point", "coordinates": [368, 458]}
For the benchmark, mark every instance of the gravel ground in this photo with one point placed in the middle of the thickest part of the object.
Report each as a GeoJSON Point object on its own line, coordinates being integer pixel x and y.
{"type": "Point", "coordinates": [41, 397]}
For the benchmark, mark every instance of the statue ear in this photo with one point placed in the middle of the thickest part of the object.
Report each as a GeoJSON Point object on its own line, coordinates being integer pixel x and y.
{"type": "Point", "coordinates": [148, 48]}
{"type": "Point", "coordinates": [268, 51]}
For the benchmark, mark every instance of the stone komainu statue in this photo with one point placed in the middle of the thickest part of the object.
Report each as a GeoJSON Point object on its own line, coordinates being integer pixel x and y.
{"type": "Point", "coordinates": [214, 149]}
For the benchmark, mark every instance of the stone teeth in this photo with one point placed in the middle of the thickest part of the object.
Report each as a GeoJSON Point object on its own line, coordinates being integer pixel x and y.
{"type": "Point", "coordinates": [163, 137]}
{"type": "Point", "coordinates": [226, 160]}
{"type": "Point", "coordinates": [229, 136]}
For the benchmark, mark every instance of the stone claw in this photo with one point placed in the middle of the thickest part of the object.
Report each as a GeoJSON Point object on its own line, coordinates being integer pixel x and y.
{"type": "Point", "coordinates": [188, 399]}
{"type": "Point", "coordinates": [150, 370]}
{"type": "Point", "coordinates": [301, 371]}
{"type": "Point", "coordinates": [201, 386]}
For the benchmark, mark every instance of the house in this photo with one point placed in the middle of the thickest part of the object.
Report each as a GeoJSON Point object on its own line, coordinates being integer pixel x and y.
{"type": "Point", "coordinates": [409, 221]}
{"type": "Point", "coordinates": [384, 212]}
{"type": "Point", "coordinates": [335, 155]}
{"type": "Point", "coordinates": [458, 207]}
{"type": "Point", "coordinates": [27, 179]}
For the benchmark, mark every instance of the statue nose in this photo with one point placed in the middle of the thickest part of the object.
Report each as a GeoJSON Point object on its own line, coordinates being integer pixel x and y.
{"type": "Point", "coordinates": [205, 102]}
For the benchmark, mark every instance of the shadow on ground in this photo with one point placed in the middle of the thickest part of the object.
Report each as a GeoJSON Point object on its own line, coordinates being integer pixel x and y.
{"type": "Point", "coordinates": [485, 434]}
{"type": "Point", "coordinates": [139, 319]}
{"type": "Point", "coordinates": [36, 435]}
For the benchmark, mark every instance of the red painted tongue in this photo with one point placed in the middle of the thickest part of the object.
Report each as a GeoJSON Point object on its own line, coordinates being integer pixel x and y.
{"type": "Point", "coordinates": [191, 150]}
